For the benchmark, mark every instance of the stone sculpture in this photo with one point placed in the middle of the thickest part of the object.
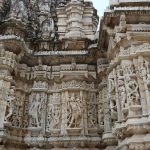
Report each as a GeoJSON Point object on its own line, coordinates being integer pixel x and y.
{"type": "Point", "coordinates": [132, 90]}
{"type": "Point", "coordinates": [48, 28]}
{"type": "Point", "coordinates": [64, 85]}
{"type": "Point", "coordinates": [74, 112]}
{"type": "Point", "coordinates": [9, 108]}
{"type": "Point", "coordinates": [35, 110]}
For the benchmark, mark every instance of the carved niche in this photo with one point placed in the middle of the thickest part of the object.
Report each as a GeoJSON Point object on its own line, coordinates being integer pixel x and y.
{"type": "Point", "coordinates": [74, 110]}
{"type": "Point", "coordinates": [36, 105]}
{"type": "Point", "coordinates": [53, 112]}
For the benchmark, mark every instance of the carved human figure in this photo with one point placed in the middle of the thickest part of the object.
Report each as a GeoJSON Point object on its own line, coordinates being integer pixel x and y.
{"type": "Point", "coordinates": [54, 112]}
{"type": "Point", "coordinates": [122, 93]}
{"type": "Point", "coordinates": [144, 69]}
{"type": "Point", "coordinates": [123, 17]}
{"type": "Point", "coordinates": [122, 23]}
{"type": "Point", "coordinates": [112, 97]}
{"type": "Point", "coordinates": [47, 28]}
{"type": "Point", "coordinates": [9, 107]}
{"type": "Point", "coordinates": [75, 110]}
{"type": "Point", "coordinates": [111, 85]}
{"type": "Point", "coordinates": [129, 69]}
{"type": "Point", "coordinates": [35, 109]}
{"type": "Point", "coordinates": [49, 116]}
{"type": "Point", "coordinates": [132, 91]}
{"type": "Point", "coordinates": [56, 116]}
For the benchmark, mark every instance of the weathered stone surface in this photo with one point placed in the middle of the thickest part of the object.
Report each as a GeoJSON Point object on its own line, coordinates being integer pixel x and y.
{"type": "Point", "coordinates": [63, 87]}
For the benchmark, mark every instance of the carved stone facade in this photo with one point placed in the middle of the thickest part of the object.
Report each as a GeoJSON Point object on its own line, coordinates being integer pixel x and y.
{"type": "Point", "coordinates": [124, 42]}
{"type": "Point", "coordinates": [66, 86]}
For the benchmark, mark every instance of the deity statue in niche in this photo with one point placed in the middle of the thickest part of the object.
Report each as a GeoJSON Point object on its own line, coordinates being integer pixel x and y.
{"type": "Point", "coordinates": [35, 111]}
{"type": "Point", "coordinates": [122, 93]}
{"type": "Point", "coordinates": [74, 111]}
{"type": "Point", "coordinates": [19, 11]}
{"type": "Point", "coordinates": [144, 69]}
{"type": "Point", "coordinates": [54, 112]}
{"type": "Point", "coordinates": [9, 107]}
{"type": "Point", "coordinates": [47, 28]}
{"type": "Point", "coordinates": [55, 116]}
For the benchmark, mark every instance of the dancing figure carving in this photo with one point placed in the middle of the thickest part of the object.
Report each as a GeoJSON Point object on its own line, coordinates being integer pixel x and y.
{"type": "Point", "coordinates": [75, 113]}
{"type": "Point", "coordinates": [35, 110]}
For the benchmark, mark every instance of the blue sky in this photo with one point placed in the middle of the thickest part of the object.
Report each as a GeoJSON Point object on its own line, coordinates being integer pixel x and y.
{"type": "Point", "coordinates": [100, 5]}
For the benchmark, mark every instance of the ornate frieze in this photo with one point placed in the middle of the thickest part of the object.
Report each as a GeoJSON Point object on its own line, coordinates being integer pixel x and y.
{"type": "Point", "coordinates": [60, 89]}
{"type": "Point", "coordinates": [48, 90]}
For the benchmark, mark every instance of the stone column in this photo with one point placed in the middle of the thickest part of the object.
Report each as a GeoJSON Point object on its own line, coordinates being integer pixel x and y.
{"type": "Point", "coordinates": [108, 138]}
{"type": "Point", "coordinates": [7, 65]}
{"type": "Point", "coordinates": [37, 105]}
{"type": "Point", "coordinates": [64, 113]}
{"type": "Point", "coordinates": [37, 113]}
{"type": "Point", "coordinates": [144, 92]}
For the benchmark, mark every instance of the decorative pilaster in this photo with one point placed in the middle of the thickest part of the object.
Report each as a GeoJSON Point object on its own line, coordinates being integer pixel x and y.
{"type": "Point", "coordinates": [108, 139]}
{"type": "Point", "coordinates": [7, 92]}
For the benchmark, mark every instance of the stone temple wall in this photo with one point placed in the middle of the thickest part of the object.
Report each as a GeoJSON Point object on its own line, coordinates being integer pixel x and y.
{"type": "Point", "coordinates": [124, 38]}
{"type": "Point", "coordinates": [66, 86]}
